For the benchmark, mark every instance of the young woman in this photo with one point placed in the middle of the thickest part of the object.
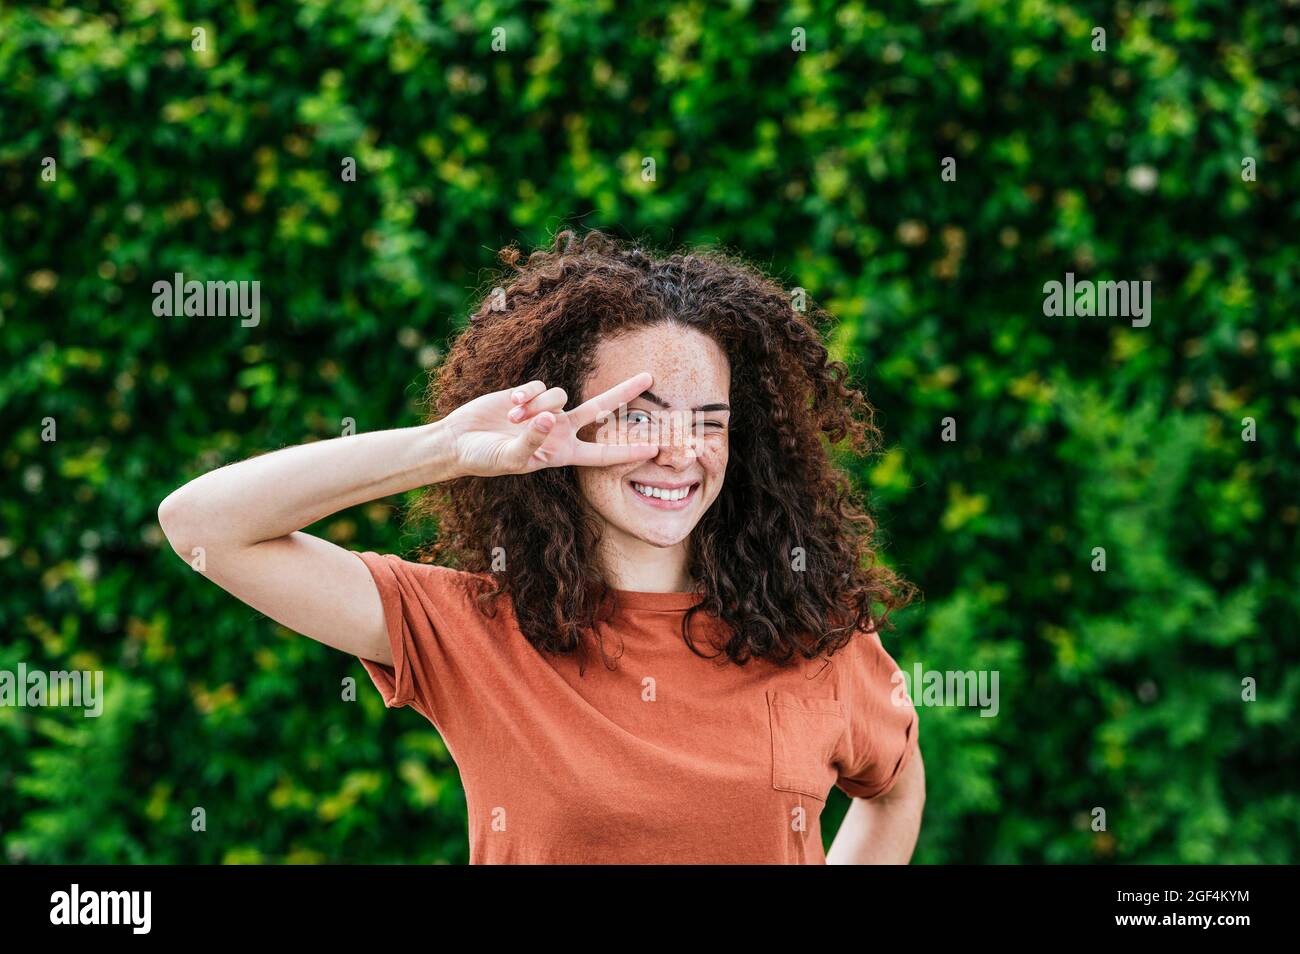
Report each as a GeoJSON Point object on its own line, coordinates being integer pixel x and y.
{"type": "Point", "coordinates": [660, 643]}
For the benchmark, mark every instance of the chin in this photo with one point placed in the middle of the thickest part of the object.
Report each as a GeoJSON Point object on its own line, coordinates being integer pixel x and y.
{"type": "Point", "coordinates": [657, 538]}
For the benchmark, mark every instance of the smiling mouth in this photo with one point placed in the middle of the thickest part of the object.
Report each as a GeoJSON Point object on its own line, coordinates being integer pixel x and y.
{"type": "Point", "coordinates": [664, 497]}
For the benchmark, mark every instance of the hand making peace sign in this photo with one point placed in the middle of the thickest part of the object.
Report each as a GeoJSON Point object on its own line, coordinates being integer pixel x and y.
{"type": "Point", "coordinates": [520, 430]}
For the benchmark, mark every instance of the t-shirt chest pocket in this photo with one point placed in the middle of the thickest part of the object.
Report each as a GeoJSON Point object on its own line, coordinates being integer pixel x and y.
{"type": "Point", "coordinates": [805, 731]}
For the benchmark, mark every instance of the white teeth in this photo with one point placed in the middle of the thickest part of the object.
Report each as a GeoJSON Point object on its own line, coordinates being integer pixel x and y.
{"type": "Point", "coordinates": [660, 493]}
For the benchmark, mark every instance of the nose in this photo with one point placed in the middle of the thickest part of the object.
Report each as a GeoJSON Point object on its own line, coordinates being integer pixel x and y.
{"type": "Point", "coordinates": [676, 446]}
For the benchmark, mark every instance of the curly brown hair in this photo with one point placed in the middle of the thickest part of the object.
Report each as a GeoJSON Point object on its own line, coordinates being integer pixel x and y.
{"type": "Point", "coordinates": [781, 491]}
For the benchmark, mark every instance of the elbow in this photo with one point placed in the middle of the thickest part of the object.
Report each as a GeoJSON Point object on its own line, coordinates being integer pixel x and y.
{"type": "Point", "coordinates": [175, 519]}
{"type": "Point", "coordinates": [197, 529]}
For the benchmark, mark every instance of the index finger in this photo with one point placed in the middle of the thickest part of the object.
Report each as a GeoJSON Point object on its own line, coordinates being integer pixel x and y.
{"type": "Point", "coordinates": [602, 404]}
{"type": "Point", "coordinates": [586, 454]}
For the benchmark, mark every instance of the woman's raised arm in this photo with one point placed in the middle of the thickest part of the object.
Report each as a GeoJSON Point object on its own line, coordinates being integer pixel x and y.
{"type": "Point", "coordinates": [241, 525]}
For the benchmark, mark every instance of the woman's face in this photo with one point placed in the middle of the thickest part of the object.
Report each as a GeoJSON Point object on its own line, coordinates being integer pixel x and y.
{"type": "Point", "coordinates": [659, 501]}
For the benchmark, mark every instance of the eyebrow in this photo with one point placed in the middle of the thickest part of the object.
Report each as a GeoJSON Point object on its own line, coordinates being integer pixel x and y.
{"type": "Point", "coordinates": [655, 399]}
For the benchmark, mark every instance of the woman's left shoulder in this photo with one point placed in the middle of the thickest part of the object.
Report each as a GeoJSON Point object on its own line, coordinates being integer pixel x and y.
{"type": "Point", "coordinates": [865, 652]}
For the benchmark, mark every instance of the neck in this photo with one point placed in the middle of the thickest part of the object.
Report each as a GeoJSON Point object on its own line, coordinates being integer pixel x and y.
{"type": "Point", "coordinates": [632, 564]}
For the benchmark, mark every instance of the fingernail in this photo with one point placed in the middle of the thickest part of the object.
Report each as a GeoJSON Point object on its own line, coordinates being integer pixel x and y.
{"type": "Point", "coordinates": [517, 396]}
{"type": "Point", "coordinates": [516, 414]}
{"type": "Point", "coordinates": [543, 424]}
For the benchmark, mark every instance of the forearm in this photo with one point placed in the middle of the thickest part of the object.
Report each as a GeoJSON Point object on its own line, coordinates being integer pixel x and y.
{"type": "Point", "coordinates": [876, 833]}
{"type": "Point", "coordinates": [273, 495]}
{"type": "Point", "coordinates": [883, 830]}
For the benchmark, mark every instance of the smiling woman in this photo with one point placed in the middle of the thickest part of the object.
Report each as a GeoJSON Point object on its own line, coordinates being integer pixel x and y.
{"type": "Point", "coordinates": [652, 504]}
{"type": "Point", "coordinates": [706, 549]}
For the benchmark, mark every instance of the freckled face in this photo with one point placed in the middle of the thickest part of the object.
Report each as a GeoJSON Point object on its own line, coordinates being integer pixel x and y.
{"type": "Point", "coordinates": [659, 501]}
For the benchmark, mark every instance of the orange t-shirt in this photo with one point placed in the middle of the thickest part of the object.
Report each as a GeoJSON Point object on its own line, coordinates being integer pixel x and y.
{"type": "Point", "coordinates": [669, 758]}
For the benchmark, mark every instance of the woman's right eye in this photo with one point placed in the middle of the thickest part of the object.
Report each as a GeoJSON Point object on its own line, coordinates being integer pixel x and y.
{"type": "Point", "coordinates": [637, 426]}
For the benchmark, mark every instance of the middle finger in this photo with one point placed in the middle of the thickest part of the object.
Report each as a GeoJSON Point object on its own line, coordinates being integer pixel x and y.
{"type": "Point", "coordinates": [553, 399]}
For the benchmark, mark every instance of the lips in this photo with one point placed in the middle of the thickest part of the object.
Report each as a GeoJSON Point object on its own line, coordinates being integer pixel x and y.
{"type": "Point", "coordinates": [664, 496]}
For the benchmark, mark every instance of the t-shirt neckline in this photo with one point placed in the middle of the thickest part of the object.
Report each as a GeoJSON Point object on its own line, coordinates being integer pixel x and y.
{"type": "Point", "coordinates": [666, 602]}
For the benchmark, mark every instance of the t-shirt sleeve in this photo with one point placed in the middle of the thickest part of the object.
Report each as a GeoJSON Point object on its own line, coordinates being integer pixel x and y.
{"type": "Point", "coordinates": [883, 724]}
{"type": "Point", "coordinates": [424, 608]}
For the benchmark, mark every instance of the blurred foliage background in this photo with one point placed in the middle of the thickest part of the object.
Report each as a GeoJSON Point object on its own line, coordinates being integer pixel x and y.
{"type": "Point", "coordinates": [1119, 689]}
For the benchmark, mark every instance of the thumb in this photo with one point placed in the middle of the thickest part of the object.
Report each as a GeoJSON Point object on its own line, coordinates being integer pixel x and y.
{"type": "Point", "coordinates": [526, 444]}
